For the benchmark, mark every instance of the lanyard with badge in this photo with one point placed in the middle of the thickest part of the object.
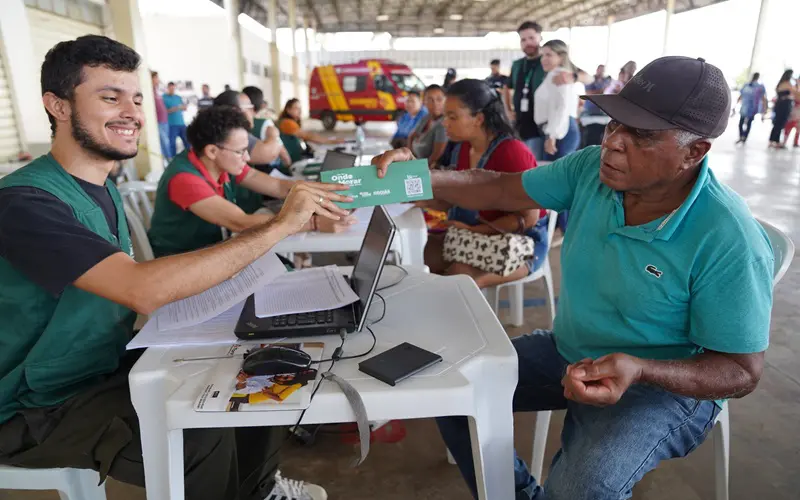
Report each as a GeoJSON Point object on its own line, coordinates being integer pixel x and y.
{"type": "Point", "coordinates": [525, 102]}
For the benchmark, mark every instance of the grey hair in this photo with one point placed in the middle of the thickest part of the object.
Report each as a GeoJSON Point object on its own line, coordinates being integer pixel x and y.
{"type": "Point", "coordinates": [684, 137]}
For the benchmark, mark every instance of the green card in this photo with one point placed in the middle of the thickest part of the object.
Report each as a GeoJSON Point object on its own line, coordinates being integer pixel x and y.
{"type": "Point", "coordinates": [404, 182]}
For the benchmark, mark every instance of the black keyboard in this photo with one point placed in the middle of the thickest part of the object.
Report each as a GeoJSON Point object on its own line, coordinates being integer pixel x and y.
{"type": "Point", "coordinates": [303, 319]}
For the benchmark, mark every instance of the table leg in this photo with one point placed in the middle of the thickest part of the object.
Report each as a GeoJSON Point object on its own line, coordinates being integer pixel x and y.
{"type": "Point", "coordinates": [492, 435]}
{"type": "Point", "coordinates": [162, 448]}
{"type": "Point", "coordinates": [412, 242]}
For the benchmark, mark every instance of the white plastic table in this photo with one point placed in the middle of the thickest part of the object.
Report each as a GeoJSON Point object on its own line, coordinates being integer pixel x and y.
{"type": "Point", "coordinates": [446, 315]}
{"type": "Point", "coordinates": [409, 243]}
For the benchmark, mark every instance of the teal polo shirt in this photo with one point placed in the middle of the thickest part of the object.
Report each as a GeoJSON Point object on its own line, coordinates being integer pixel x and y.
{"type": "Point", "coordinates": [171, 101]}
{"type": "Point", "coordinates": [700, 278]}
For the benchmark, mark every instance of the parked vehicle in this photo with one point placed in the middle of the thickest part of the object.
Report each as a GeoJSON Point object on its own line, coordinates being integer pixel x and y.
{"type": "Point", "coordinates": [367, 90]}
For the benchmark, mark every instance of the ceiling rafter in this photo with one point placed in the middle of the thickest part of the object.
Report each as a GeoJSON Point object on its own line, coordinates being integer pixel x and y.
{"type": "Point", "coordinates": [555, 22]}
{"type": "Point", "coordinates": [314, 12]}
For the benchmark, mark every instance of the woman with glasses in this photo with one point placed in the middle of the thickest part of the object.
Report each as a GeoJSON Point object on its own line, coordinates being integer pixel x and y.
{"type": "Point", "coordinates": [196, 201]}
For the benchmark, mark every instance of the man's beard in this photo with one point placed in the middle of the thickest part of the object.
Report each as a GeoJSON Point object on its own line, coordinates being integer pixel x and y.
{"type": "Point", "coordinates": [89, 143]}
{"type": "Point", "coordinates": [531, 51]}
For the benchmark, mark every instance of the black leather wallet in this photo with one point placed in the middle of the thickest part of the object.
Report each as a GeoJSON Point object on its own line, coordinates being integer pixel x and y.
{"type": "Point", "coordinates": [398, 363]}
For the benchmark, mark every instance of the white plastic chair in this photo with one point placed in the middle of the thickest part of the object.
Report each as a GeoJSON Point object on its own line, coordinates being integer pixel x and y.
{"type": "Point", "coordinates": [71, 484]}
{"type": "Point", "coordinates": [135, 193]}
{"type": "Point", "coordinates": [516, 288]}
{"type": "Point", "coordinates": [783, 248]}
{"type": "Point", "coordinates": [128, 171]}
{"type": "Point", "coordinates": [141, 243]}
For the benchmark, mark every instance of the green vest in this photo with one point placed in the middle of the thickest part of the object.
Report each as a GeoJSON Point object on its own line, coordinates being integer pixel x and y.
{"type": "Point", "coordinates": [292, 144]}
{"type": "Point", "coordinates": [535, 78]}
{"type": "Point", "coordinates": [175, 230]}
{"type": "Point", "coordinates": [258, 127]}
{"type": "Point", "coordinates": [52, 348]}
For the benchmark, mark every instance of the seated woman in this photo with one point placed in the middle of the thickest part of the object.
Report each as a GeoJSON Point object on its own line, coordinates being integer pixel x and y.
{"type": "Point", "coordinates": [261, 151]}
{"type": "Point", "coordinates": [476, 120]}
{"type": "Point", "coordinates": [196, 196]}
{"type": "Point", "coordinates": [293, 135]}
{"type": "Point", "coordinates": [261, 124]}
{"type": "Point", "coordinates": [429, 139]}
{"type": "Point", "coordinates": [415, 112]}
{"type": "Point", "coordinates": [263, 143]}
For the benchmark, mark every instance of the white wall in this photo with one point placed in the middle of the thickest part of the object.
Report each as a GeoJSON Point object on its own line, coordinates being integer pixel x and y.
{"type": "Point", "coordinates": [190, 48]}
{"type": "Point", "coordinates": [23, 72]}
{"type": "Point", "coordinates": [177, 52]}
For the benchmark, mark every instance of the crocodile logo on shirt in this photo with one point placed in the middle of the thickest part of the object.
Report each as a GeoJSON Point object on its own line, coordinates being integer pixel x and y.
{"type": "Point", "coordinates": [650, 268]}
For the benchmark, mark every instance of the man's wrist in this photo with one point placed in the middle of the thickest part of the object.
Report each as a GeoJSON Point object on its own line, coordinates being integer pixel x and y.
{"type": "Point", "coordinates": [277, 227]}
{"type": "Point", "coordinates": [645, 366]}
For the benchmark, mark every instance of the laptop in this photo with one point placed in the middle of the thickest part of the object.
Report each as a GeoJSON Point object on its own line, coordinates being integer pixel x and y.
{"type": "Point", "coordinates": [352, 318]}
{"type": "Point", "coordinates": [334, 160]}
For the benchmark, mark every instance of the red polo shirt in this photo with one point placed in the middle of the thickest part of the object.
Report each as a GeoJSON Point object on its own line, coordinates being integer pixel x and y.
{"type": "Point", "coordinates": [511, 156]}
{"type": "Point", "coordinates": [187, 189]}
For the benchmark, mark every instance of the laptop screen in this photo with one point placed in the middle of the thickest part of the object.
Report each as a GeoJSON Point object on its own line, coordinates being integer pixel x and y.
{"type": "Point", "coordinates": [371, 258]}
{"type": "Point", "coordinates": [335, 160]}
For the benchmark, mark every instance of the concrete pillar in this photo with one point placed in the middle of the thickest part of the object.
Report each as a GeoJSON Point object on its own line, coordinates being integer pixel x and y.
{"type": "Point", "coordinates": [23, 73]}
{"type": "Point", "coordinates": [608, 41]}
{"type": "Point", "coordinates": [670, 12]}
{"type": "Point", "coordinates": [295, 61]}
{"type": "Point", "coordinates": [128, 29]}
{"type": "Point", "coordinates": [757, 55]}
{"type": "Point", "coordinates": [232, 10]}
{"type": "Point", "coordinates": [272, 17]}
{"type": "Point", "coordinates": [307, 55]}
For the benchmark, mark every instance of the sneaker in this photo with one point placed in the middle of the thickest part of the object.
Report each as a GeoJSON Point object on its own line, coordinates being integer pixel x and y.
{"type": "Point", "coordinates": [290, 489]}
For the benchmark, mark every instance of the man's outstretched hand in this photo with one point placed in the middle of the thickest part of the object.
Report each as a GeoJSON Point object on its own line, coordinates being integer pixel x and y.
{"type": "Point", "coordinates": [383, 161]}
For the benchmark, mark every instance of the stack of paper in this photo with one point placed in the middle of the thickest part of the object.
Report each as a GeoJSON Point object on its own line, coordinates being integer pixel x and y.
{"type": "Point", "coordinates": [208, 317]}
{"type": "Point", "coordinates": [206, 305]}
{"type": "Point", "coordinates": [314, 289]}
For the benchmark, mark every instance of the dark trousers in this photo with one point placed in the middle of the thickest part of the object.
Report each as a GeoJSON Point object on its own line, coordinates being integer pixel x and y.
{"type": "Point", "coordinates": [176, 131]}
{"type": "Point", "coordinates": [745, 122]}
{"type": "Point", "coordinates": [98, 429]}
{"type": "Point", "coordinates": [592, 134]}
{"type": "Point", "coordinates": [782, 111]}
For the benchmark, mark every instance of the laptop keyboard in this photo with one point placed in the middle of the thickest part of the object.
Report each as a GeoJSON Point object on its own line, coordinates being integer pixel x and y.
{"type": "Point", "coordinates": [303, 319]}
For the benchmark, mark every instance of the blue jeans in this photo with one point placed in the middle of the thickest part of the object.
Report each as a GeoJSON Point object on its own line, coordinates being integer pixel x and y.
{"type": "Point", "coordinates": [569, 144]}
{"type": "Point", "coordinates": [536, 145]}
{"type": "Point", "coordinates": [604, 451]}
{"type": "Point", "coordinates": [163, 136]}
{"type": "Point", "coordinates": [176, 131]}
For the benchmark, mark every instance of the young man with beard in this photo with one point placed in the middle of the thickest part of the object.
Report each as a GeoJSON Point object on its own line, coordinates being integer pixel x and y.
{"type": "Point", "coordinates": [69, 291]}
{"type": "Point", "coordinates": [526, 76]}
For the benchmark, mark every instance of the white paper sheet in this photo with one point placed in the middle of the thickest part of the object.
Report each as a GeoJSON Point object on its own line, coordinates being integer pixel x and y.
{"type": "Point", "coordinates": [206, 305]}
{"type": "Point", "coordinates": [314, 289]}
{"type": "Point", "coordinates": [217, 330]}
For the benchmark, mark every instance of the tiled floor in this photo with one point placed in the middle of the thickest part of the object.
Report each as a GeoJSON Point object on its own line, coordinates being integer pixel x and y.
{"type": "Point", "coordinates": [765, 449]}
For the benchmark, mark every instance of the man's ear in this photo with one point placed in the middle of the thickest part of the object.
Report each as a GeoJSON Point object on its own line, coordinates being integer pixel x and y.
{"type": "Point", "coordinates": [58, 108]}
{"type": "Point", "coordinates": [697, 151]}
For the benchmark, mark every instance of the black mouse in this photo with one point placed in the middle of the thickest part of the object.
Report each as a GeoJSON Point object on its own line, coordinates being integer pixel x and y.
{"type": "Point", "coordinates": [275, 359]}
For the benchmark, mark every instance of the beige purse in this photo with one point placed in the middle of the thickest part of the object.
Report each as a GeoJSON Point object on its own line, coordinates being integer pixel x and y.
{"type": "Point", "coordinates": [500, 254]}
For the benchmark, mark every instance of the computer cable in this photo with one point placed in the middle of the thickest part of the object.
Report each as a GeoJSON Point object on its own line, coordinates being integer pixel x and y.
{"type": "Point", "coordinates": [404, 276]}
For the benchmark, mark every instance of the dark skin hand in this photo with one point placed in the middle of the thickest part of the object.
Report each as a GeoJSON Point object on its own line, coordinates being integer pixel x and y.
{"type": "Point", "coordinates": [706, 376]}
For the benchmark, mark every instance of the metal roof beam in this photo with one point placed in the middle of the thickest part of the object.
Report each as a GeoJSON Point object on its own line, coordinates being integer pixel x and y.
{"type": "Point", "coordinates": [580, 11]}
{"type": "Point", "coordinates": [310, 5]}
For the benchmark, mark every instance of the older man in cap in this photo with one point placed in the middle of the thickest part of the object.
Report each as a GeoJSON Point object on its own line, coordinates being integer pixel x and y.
{"type": "Point", "coordinates": [666, 289]}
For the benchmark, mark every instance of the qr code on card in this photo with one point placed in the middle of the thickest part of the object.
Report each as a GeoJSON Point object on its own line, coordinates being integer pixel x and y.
{"type": "Point", "coordinates": [414, 186]}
